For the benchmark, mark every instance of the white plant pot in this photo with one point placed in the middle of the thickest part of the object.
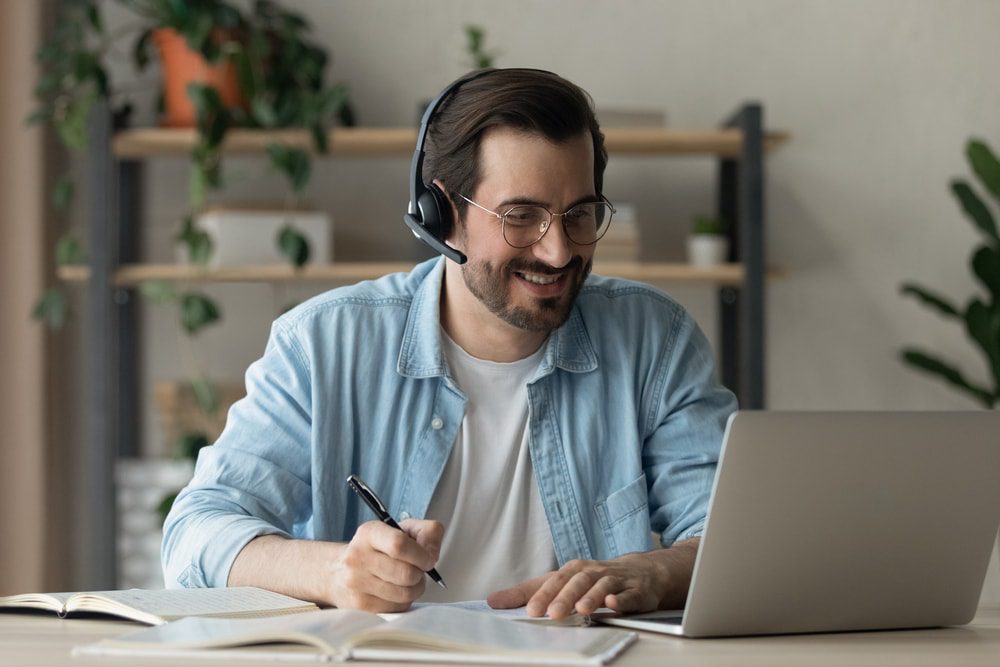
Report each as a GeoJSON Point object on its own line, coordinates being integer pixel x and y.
{"type": "Point", "coordinates": [707, 249]}
{"type": "Point", "coordinates": [248, 236]}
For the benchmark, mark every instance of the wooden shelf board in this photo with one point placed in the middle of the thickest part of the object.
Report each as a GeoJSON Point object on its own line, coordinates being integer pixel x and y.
{"type": "Point", "coordinates": [348, 272]}
{"type": "Point", "coordinates": [399, 141]}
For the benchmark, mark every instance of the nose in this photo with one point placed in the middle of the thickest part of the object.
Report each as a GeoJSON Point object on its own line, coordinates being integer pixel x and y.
{"type": "Point", "coordinates": [554, 248]}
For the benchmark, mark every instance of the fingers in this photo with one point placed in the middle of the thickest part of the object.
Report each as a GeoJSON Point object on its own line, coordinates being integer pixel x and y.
{"type": "Point", "coordinates": [382, 568]}
{"type": "Point", "coordinates": [574, 583]}
{"type": "Point", "coordinates": [397, 544]}
{"type": "Point", "coordinates": [516, 596]}
{"type": "Point", "coordinates": [585, 586]}
{"type": "Point", "coordinates": [428, 534]}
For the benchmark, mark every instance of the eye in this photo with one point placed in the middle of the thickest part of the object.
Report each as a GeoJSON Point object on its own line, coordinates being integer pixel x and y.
{"type": "Point", "coordinates": [525, 215]}
{"type": "Point", "coordinates": [580, 215]}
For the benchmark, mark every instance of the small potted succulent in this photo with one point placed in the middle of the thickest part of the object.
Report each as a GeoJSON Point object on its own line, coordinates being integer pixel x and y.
{"type": "Point", "coordinates": [708, 245]}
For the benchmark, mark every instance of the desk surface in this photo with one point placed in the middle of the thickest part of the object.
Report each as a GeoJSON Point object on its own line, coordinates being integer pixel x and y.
{"type": "Point", "coordinates": [29, 640]}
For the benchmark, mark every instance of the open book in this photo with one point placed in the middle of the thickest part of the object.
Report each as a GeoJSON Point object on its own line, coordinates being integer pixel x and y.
{"type": "Point", "coordinates": [429, 634]}
{"type": "Point", "coordinates": [156, 607]}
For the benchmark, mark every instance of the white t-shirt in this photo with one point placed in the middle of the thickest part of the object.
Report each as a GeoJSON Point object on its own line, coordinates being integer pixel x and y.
{"type": "Point", "coordinates": [496, 533]}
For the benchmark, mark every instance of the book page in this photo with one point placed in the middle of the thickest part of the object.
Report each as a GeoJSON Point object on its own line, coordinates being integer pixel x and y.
{"type": "Point", "coordinates": [51, 601]}
{"type": "Point", "coordinates": [516, 614]}
{"type": "Point", "coordinates": [447, 628]}
{"type": "Point", "coordinates": [326, 630]}
{"type": "Point", "coordinates": [169, 604]}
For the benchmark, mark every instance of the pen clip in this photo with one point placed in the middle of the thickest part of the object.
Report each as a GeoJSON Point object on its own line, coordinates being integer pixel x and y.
{"type": "Point", "coordinates": [368, 495]}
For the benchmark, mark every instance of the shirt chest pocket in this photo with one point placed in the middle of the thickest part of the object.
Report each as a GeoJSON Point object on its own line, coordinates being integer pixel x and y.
{"type": "Point", "coordinates": [624, 518]}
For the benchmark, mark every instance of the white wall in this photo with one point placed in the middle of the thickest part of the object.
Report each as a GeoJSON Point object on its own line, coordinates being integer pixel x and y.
{"type": "Point", "coordinates": [879, 95]}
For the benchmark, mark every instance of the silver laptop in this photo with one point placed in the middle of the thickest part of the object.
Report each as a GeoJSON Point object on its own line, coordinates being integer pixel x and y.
{"type": "Point", "coordinates": [834, 521]}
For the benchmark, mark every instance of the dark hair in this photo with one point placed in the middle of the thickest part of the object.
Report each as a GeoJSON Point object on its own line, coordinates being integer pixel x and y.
{"type": "Point", "coordinates": [530, 100]}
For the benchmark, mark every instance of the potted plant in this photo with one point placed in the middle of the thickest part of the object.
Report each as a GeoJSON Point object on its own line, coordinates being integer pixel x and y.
{"type": "Point", "coordinates": [980, 316]}
{"type": "Point", "coordinates": [279, 77]}
{"type": "Point", "coordinates": [707, 245]}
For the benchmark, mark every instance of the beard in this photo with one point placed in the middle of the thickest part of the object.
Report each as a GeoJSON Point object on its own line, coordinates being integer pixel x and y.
{"type": "Point", "coordinates": [492, 286]}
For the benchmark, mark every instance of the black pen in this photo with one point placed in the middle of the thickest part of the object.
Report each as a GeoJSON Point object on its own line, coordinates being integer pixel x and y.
{"type": "Point", "coordinates": [375, 503]}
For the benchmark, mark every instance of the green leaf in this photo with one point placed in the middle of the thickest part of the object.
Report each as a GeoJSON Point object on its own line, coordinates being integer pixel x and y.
{"type": "Point", "coordinates": [189, 444]}
{"type": "Point", "coordinates": [62, 192]}
{"type": "Point", "coordinates": [347, 116]}
{"type": "Point", "coordinates": [197, 186]}
{"type": "Point", "coordinates": [158, 291]}
{"type": "Point", "coordinates": [930, 299]}
{"type": "Point", "coordinates": [72, 128]}
{"type": "Point", "coordinates": [205, 395]}
{"type": "Point", "coordinates": [205, 99]}
{"type": "Point", "coordinates": [292, 162]}
{"type": "Point", "coordinates": [163, 509]}
{"type": "Point", "coordinates": [293, 245]}
{"type": "Point", "coordinates": [263, 111]}
{"type": "Point", "coordinates": [198, 243]}
{"type": "Point", "coordinates": [975, 209]}
{"type": "Point", "coordinates": [934, 366]}
{"type": "Point", "coordinates": [320, 138]}
{"type": "Point", "coordinates": [94, 17]}
{"type": "Point", "coordinates": [140, 52]}
{"type": "Point", "coordinates": [985, 164]}
{"type": "Point", "coordinates": [986, 266]}
{"type": "Point", "coordinates": [200, 248]}
{"type": "Point", "coordinates": [51, 308]}
{"type": "Point", "coordinates": [197, 312]}
{"type": "Point", "coordinates": [68, 251]}
{"type": "Point", "coordinates": [983, 325]}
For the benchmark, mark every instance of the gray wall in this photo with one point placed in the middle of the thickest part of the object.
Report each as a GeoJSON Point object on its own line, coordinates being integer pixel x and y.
{"type": "Point", "coordinates": [879, 96]}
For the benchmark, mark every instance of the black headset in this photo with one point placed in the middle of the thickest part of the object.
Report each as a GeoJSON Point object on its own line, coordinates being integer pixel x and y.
{"type": "Point", "coordinates": [429, 214]}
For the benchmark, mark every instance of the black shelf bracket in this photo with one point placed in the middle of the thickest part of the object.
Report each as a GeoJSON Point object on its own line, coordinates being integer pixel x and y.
{"type": "Point", "coordinates": [741, 309]}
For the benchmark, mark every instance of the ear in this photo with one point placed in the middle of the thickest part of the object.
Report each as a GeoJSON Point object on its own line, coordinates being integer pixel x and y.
{"type": "Point", "coordinates": [454, 235]}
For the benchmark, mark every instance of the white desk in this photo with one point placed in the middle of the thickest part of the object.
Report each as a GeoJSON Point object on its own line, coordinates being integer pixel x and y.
{"type": "Point", "coordinates": [45, 641]}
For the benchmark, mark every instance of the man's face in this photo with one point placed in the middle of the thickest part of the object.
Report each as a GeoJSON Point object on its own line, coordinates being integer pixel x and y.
{"type": "Point", "coordinates": [529, 288]}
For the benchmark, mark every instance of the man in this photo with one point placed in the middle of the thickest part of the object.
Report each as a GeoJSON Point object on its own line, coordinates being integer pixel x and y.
{"type": "Point", "coordinates": [529, 424]}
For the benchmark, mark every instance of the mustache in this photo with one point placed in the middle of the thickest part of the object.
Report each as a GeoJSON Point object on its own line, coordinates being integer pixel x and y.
{"type": "Point", "coordinates": [525, 266]}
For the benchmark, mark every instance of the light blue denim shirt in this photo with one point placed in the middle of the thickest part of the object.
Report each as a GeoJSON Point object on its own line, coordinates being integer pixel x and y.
{"type": "Point", "coordinates": [625, 425]}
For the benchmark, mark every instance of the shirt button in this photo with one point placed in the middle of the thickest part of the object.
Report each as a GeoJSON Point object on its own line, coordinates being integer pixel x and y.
{"type": "Point", "coordinates": [437, 423]}
{"type": "Point", "coordinates": [403, 516]}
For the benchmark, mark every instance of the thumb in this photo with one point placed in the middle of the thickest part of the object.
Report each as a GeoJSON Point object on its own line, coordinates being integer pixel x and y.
{"type": "Point", "coordinates": [516, 596]}
{"type": "Point", "coordinates": [428, 534]}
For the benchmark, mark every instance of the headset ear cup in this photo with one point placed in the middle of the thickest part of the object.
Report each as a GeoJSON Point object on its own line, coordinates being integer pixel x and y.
{"type": "Point", "coordinates": [435, 212]}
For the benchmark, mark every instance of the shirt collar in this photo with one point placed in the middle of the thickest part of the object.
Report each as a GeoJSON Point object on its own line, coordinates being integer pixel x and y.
{"type": "Point", "coordinates": [421, 354]}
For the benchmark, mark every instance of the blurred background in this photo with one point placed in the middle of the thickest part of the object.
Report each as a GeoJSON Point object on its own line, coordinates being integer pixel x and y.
{"type": "Point", "coordinates": [872, 104]}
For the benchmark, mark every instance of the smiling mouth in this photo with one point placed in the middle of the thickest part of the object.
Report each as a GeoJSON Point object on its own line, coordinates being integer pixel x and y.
{"type": "Point", "coordinates": [538, 278]}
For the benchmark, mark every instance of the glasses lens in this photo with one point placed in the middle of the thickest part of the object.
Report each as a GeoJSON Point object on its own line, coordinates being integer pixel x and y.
{"type": "Point", "coordinates": [523, 225]}
{"type": "Point", "coordinates": [586, 223]}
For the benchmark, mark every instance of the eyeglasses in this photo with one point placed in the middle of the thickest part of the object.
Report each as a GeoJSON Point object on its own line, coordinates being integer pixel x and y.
{"type": "Point", "coordinates": [524, 225]}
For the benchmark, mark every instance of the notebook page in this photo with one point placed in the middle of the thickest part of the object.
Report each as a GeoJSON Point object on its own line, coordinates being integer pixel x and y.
{"type": "Point", "coordinates": [326, 630]}
{"type": "Point", "coordinates": [462, 630]}
{"type": "Point", "coordinates": [178, 603]}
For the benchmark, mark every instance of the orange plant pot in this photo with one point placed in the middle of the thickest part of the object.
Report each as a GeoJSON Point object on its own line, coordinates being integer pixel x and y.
{"type": "Point", "coordinates": [182, 66]}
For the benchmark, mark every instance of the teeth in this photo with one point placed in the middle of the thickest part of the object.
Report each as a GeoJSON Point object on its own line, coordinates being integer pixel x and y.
{"type": "Point", "coordinates": [539, 279]}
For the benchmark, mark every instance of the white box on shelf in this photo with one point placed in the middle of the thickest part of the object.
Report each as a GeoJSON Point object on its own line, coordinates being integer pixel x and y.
{"type": "Point", "coordinates": [242, 236]}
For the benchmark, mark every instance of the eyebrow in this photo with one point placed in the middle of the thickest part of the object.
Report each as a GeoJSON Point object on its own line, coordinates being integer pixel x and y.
{"type": "Point", "coordinates": [528, 201]}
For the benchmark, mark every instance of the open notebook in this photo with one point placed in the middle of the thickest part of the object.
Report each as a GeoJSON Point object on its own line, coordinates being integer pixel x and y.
{"type": "Point", "coordinates": [428, 634]}
{"type": "Point", "coordinates": [156, 607]}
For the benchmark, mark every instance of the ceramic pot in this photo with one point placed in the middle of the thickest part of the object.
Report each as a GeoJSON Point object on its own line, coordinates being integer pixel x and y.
{"type": "Point", "coordinates": [707, 249]}
{"type": "Point", "coordinates": [182, 66]}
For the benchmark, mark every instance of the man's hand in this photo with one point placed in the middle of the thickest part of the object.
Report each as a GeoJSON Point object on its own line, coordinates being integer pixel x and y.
{"type": "Point", "coordinates": [637, 582]}
{"type": "Point", "coordinates": [380, 569]}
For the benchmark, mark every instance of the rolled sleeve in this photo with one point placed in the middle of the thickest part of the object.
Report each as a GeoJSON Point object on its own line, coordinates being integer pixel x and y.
{"type": "Point", "coordinates": [255, 480]}
{"type": "Point", "coordinates": [686, 423]}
